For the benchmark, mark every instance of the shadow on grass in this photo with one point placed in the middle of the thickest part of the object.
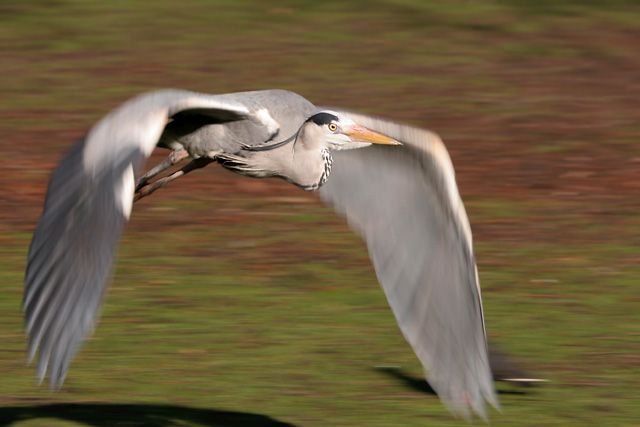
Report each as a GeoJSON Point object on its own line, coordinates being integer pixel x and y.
{"type": "Point", "coordinates": [504, 368]}
{"type": "Point", "coordinates": [113, 414]}
{"type": "Point", "coordinates": [421, 385]}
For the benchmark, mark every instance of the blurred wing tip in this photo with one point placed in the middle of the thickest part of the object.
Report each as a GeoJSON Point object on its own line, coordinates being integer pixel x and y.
{"type": "Point", "coordinates": [494, 401]}
{"type": "Point", "coordinates": [42, 372]}
{"type": "Point", "coordinates": [56, 382]}
{"type": "Point", "coordinates": [459, 410]}
{"type": "Point", "coordinates": [30, 356]}
{"type": "Point", "coordinates": [466, 409]}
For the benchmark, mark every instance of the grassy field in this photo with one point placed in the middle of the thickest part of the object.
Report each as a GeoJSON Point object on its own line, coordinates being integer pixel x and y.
{"type": "Point", "coordinates": [240, 302]}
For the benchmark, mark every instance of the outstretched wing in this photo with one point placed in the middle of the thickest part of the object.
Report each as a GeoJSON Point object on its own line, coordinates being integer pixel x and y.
{"type": "Point", "coordinates": [405, 202]}
{"type": "Point", "coordinates": [88, 202]}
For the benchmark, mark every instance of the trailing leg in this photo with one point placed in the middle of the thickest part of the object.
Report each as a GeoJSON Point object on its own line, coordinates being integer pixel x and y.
{"type": "Point", "coordinates": [174, 158]}
{"type": "Point", "coordinates": [147, 189]}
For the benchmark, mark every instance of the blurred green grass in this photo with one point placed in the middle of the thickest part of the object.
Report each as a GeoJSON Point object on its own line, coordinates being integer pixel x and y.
{"type": "Point", "coordinates": [250, 297]}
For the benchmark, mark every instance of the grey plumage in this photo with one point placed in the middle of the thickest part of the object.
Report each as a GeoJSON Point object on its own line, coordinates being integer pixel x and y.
{"type": "Point", "coordinates": [402, 199]}
{"type": "Point", "coordinates": [416, 229]}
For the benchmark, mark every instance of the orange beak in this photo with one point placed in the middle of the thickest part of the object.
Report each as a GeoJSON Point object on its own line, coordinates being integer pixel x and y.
{"type": "Point", "coordinates": [359, 133]}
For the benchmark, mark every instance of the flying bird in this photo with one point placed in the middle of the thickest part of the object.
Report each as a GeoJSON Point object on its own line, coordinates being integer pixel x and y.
{"type": "Point", "coordinates": [394, 183]}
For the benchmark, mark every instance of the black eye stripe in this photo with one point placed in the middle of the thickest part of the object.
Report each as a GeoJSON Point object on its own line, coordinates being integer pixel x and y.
{"type": "Point", "coordinates": [322, 118]}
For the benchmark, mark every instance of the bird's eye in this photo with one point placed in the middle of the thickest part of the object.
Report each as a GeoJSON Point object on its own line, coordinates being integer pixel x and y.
{"type": "Point", "coordinates": [333, 127]}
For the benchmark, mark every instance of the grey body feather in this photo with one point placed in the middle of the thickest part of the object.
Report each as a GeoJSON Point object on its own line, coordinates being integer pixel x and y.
{"type": "Point", "coordinates": [403, 200]}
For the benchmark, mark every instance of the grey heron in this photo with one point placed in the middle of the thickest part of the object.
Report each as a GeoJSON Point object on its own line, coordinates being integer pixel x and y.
{"type": "Point", "coordinates": [393, 182]}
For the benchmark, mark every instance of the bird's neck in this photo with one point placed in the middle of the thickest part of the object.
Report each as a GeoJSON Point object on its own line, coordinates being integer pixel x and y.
{"type": "Point", "coordinates": [304, 166]}
{"type": "Point", "coordinates": [308, 167]}
{"type": "Point", "coordinates": [320, 171]}
{"type": "Point", "coordinates": [311, 161]}
{"type": "Point", "coordinates": [327, 162]}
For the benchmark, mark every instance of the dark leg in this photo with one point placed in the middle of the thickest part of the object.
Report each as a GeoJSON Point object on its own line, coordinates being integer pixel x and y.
{"type": "Point", "coordinates": [147, 189]}
{"type": "Point", "coordinates": [175, 157]}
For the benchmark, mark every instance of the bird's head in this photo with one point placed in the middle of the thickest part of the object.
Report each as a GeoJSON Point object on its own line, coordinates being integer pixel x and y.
{"type": "Point", "coordinates": [339, 132]}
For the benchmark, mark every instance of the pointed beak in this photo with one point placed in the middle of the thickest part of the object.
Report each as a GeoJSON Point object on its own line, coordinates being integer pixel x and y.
{"type": "Point", "coordinates": [359, 133]}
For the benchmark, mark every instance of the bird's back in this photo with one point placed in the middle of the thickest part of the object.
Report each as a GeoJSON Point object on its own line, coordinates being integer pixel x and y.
{"type": "Point", "coordinates": [278, 115]}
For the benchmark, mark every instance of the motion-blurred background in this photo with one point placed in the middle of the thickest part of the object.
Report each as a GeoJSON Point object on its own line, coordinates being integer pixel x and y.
{"type": "Point", "coordinates": [246, 302]}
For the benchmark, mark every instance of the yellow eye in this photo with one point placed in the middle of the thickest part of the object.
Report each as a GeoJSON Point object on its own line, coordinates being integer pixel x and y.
{"type": "Point", "coordinates": [333, 127]}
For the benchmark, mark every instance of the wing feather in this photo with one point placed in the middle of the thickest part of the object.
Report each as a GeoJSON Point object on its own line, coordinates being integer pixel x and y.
{"type": "Point", "coordinates": [87, 204]}
{"type": "Point", "coordinates": [405, 203]}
